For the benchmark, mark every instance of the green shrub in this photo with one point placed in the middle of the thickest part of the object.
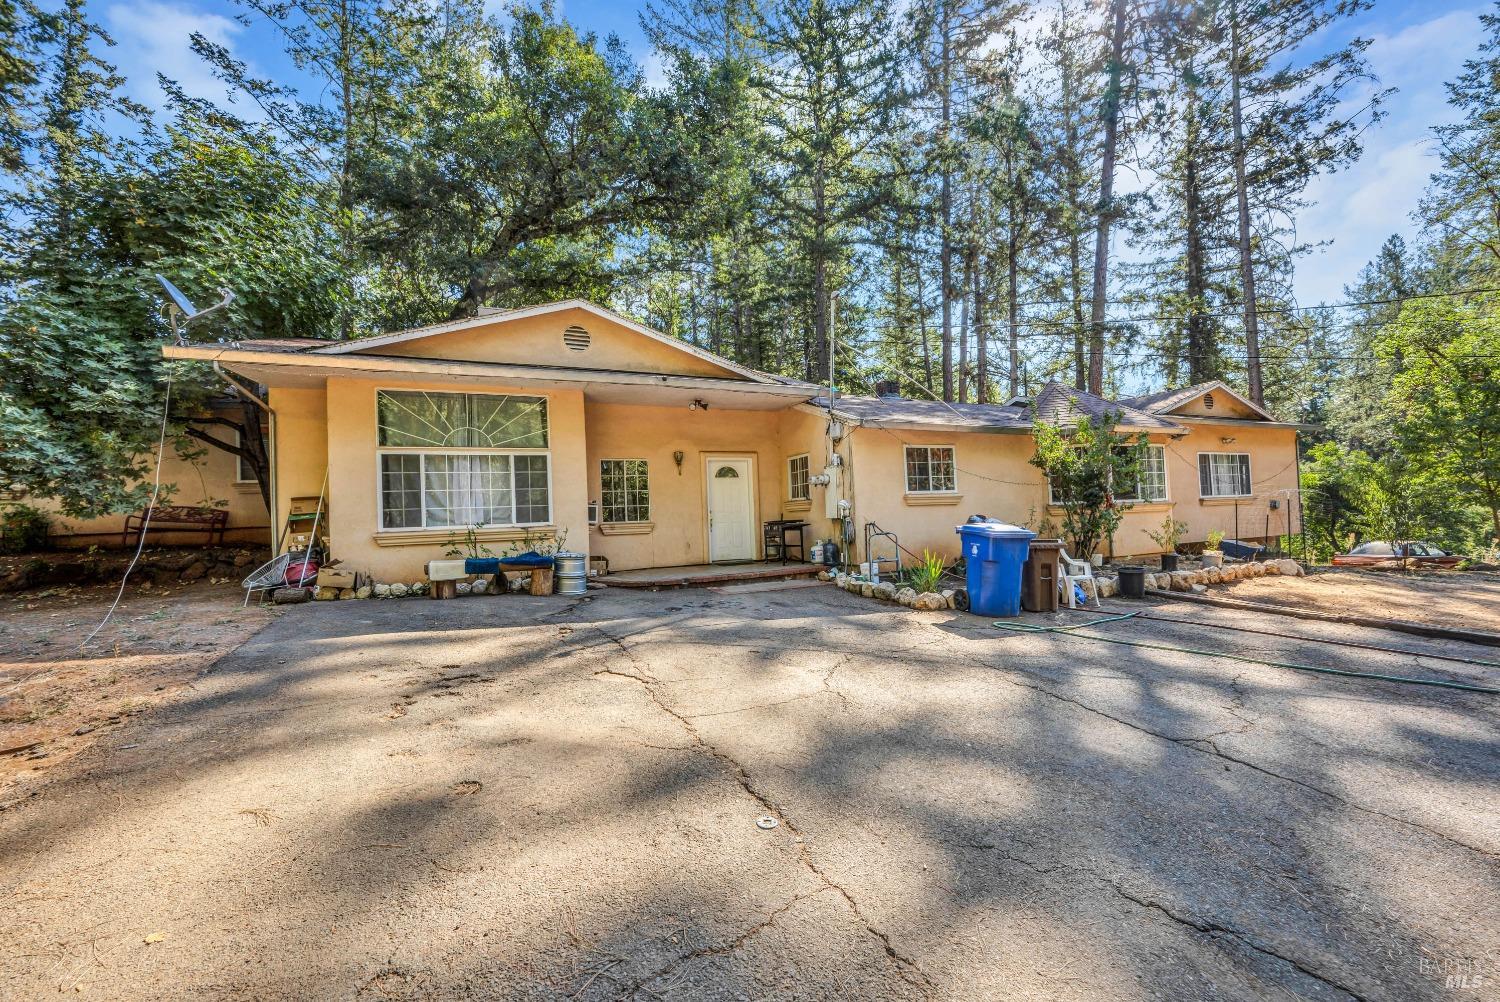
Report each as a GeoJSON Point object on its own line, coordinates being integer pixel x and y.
{"type": "Point", "coordinates": [927, 573]}
{"type": "Point", "coordinates": [24, 529]}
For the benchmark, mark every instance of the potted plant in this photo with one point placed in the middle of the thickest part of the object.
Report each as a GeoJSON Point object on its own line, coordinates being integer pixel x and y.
{"type": "Point", "coordinates": [1212, 555]}
{"type": "Point", "coordinates": [1167, 537]}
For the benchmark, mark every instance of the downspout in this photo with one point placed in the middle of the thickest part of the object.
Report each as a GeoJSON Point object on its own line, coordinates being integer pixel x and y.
{"type": "Point", "coordinates": [270, 449]}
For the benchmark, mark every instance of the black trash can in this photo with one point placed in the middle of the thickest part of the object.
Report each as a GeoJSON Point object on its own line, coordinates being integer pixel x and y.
{"type": "Point", "coordinates": [1132, 582]}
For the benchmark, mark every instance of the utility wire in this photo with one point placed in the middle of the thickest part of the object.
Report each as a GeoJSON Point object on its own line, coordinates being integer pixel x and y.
{"type": "Point", "coordinates": [140, 543]}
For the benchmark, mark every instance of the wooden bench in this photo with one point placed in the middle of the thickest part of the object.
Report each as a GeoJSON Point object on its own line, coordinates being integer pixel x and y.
{"type": "Point", "coordinates": [176, 516]}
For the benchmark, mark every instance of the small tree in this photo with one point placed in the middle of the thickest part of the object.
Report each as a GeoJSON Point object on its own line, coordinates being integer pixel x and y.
{"type": "Point", "coordinates": [1083, 465]}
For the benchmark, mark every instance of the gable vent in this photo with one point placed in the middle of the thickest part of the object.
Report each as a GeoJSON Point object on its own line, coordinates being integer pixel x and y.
{"type": "Point", "coordinates": [576, 338]}
{"type": "Point", "coordinates": [1208, 401]}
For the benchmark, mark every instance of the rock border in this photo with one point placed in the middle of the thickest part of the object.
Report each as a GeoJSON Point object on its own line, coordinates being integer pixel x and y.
{"type": "Point", "coordinates": [1103, 586]}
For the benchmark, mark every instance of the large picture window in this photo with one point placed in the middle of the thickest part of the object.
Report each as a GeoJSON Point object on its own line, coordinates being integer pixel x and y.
{"type": "Point", "coordinates": [1223, 474]}
{"type": "Point", "coordinates": [797, 488]}
{"type": "Point", "coordinates": [929, 469]}
{"type": "Point", "coordinates": [626, 490]}
{"type": "Point", "coordinates": [462, 459]}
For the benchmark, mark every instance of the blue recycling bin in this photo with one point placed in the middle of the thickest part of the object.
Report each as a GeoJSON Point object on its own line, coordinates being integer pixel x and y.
{"type": "Point", "coordinates": [994, 553]}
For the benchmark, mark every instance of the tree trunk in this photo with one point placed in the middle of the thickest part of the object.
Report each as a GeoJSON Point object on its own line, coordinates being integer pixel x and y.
{"type": "Point", "coordinates": [1197, 341]}
{"type": "Point", "coordinates": [1012, 269]}
{"type": "Point", "coordinates": [947, 213]}
{"type": "Point", "coordinates": [963, 326]}
{"type": "Point", "coordinates": [981, 351]}
{"type": "Point", "coordinates": [1247, 265]}
{"type": "Point", "coordinates": [1106, 199]}
{"type": "Point", "coordinates": [922, 326]}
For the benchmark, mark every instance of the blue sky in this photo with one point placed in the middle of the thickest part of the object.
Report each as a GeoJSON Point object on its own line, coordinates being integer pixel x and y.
{"type": "Point", "coordinates": [1416, 47]}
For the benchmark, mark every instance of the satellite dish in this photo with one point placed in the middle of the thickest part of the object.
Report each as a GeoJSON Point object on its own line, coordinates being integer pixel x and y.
{"type": "Point", "coordinates": [184, 304]}
{"type": "Point", "coordinates": [181, 309]}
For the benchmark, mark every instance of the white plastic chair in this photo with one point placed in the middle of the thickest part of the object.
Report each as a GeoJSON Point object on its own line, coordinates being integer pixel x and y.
{"type": "Point", "coordinates": [1070, 573]}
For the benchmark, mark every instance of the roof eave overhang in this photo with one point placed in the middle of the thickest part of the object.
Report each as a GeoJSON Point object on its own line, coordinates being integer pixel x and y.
{"type": "Point", "coordinates": [326, 365]}
{"type": "Point", "coordinates": [358, 345]}
{"type": "Point", "coordinates": [1194, 419]}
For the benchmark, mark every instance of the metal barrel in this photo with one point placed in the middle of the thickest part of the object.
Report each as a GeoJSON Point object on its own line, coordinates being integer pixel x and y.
{"type": "Point", "coordinates": [571, 572]}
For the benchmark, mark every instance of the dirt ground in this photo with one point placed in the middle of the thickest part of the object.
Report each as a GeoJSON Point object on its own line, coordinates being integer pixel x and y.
{"type": "Point", "coordinates": [1442, 598]}
{"type": "Point", "coordinates": [57, 700]}
{"type": "Point", "coordinates": [788, 793]}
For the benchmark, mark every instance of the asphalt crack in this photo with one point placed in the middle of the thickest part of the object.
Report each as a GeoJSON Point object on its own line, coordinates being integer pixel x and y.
{"type": "Point", "coordinates": [1213, 929]}
{"type": "Point", "coordinates": [719, 949]}
{"type": "Point", "coordinates": [1206, 746]}
{"type": "Point", "coordinates": [905, 967]}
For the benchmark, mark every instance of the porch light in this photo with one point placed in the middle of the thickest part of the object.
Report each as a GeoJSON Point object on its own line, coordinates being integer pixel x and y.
{"type": "Point", "coordinates": [698, 405]}
{"type": "Point", "coordinates": [677, 458]}
{"type": "Point", "coordinates": [1227, 440]}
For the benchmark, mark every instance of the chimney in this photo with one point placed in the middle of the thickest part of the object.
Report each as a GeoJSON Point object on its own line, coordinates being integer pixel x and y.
{"type": "Point", "coordinates": [887, 389]}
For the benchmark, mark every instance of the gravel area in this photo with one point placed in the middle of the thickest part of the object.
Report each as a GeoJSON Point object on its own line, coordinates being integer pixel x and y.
{"type": "Point", "coordinates": [546, 798]}
{"type": "Point", "coordinates": [1441, 598]}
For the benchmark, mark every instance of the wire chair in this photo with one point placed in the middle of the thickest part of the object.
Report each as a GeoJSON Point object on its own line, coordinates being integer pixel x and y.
{"type": "Point", "coordinates": [268, 576]}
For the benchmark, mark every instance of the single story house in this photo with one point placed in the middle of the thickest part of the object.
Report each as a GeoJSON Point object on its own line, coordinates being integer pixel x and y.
{"type": "Point", "coordinates": [568, 419]}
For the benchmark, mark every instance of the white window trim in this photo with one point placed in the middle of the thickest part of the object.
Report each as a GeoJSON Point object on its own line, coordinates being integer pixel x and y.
{"type": "Point", "coordinates": [1249, 475]}
{"type": "Point", "coordinates": [603, 506]}
{"type": "Point", "coordinates": [906, 482]}
{"type": "Point", "coordinates": [380, 450]}
{"type": "Point", "coordinates": [239, 443]}
{"type": "Point", "coordinates": [1166, 498]}
{"type": "Point", "coordinates": [807, 486]}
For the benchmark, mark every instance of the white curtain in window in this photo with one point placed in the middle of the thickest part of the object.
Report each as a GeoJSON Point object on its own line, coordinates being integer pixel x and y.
{"type": "Point", "coordinates": [466, 490]}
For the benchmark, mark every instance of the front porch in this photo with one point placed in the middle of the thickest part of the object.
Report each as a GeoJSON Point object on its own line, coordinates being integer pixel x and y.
{"type": "Point", "coordinates": [698, 575]}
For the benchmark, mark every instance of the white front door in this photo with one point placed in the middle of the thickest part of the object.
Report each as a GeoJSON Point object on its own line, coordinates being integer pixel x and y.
{"type": "Point", "coordinates": [731, 511]}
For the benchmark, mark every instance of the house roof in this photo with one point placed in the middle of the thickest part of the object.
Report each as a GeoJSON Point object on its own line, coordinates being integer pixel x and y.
{"type": "Point", "coordinates": [1064, 405]}
{"type": "Point", "coordinates": [1167, 401]}
{"type": "Point", "coordinates": [878, 411]}
{"type": "Point", "coordinates": [1055, 404]}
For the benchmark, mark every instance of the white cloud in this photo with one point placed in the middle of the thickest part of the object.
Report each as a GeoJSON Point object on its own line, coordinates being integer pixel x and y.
{"type": "Point", "coordinates": [155, 37]}
{"type": "Point", "coordinates": [1358, 208]}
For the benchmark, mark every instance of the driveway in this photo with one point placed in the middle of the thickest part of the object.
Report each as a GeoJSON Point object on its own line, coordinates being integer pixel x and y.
{"type": "Point", "coordinates": [557, 798]}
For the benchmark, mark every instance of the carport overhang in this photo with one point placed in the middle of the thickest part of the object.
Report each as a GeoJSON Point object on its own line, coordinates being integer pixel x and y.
{"type": "Point", "coordinates": [303, 370]}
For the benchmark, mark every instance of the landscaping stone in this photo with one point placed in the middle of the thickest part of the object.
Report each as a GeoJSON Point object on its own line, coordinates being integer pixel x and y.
{"type": "Point", "coordinates": [325, 594]}
{"type": "Point", "coordinates": [841, 580]}
{"type": "Point", "coordinates": [1290, 567]}
{"type": "Point", "coordinates": [290, 596]}
{"type": "Point", "coordinates": [363, 592]}
{"type": "Point", "coordinates": [948, 596]}
{"type": "Point", "coordinates": [1273, 566]}
{"type": "Point", "coordinates": [1200, 589]}
{"type": "Point", "coordinates": [382, 591]}
{"type": "Point", "coordinates": [1108, 587]}
{"type": "Point", "coordinates": [906, 596]}
{"type": "Point", "coordinates": [193, 571]}
{"type": "Point", "coordinates": [825, 575]}
{"type": "Point", "coordinates": [347, 593]}
{"type": "Point", "coordinates": [886, 591]}
{"type": "Point", "coordinates": [398, 590]}
{"type": "Point", "coordinates": [929, 601]}
{"type": "Point", "coordinates": [867, 589]}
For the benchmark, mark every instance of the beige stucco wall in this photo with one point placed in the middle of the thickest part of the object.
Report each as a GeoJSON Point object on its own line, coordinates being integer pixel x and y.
{"type": "Point", "coordinates": [538, 341]}
{"type": "Point", "coordinates": [1273, 474]}
{"type": "Point", "coordinates": [678, 531]}
{"type": "Point", "coordinates": [354, 506]}
{"type": "Point", "coordinates": [995, 478]}
{"type": "Point", "coordinates": [204, 478]}
{"type": "Point", "coordinates": [992, 478]}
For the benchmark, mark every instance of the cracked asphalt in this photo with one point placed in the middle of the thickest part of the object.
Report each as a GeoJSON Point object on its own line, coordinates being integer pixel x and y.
{"type": "Point", "coordinates": [526, 798]}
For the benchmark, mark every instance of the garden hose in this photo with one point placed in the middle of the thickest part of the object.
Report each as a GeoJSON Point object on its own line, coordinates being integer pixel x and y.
{"type": "Point", "coordinates": [1067, 631]}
